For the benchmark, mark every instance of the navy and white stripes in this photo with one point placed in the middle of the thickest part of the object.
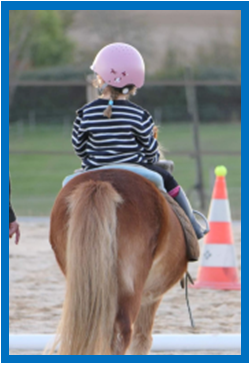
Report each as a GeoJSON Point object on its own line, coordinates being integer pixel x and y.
{"type": "Point", "coordinates": [127, 137]}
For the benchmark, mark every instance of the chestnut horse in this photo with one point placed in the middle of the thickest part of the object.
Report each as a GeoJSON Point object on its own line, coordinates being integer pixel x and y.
{"type": "Point", "coordinates": [121, 247]}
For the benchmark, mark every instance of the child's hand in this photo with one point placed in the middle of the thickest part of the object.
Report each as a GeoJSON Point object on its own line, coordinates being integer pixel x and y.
{"type": "Point", "coordinates": [155, 132]}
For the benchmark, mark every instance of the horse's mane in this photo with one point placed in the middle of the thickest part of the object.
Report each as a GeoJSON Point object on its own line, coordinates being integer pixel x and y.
{"type": "Point", "coordinates": [193, 249]}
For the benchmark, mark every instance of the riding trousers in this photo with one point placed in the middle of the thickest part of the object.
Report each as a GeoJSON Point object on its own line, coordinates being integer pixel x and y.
{"type": "Point", "coordinates": [169, 182]}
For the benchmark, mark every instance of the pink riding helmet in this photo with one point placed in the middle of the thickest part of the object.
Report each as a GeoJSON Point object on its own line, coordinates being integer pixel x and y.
{"type": "Point", "coordinates": [120, 64]}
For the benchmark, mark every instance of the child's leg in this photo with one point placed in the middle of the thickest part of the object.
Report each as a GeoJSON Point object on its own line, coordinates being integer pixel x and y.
{"type": "Point", "coordinates": [176, 192]}
{"type": "Point", "coordinates": [170, 184]}
{"type": "Point", "coordinates": [183, 201]}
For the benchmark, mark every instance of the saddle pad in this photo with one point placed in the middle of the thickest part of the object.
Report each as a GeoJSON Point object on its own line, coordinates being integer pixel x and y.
{"type": "Point", "coordinates": [152, 176]}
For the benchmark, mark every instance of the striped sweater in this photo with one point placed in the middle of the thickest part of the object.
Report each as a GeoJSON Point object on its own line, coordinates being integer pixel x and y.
{"type": "Point", "coordinates": [127, 137]}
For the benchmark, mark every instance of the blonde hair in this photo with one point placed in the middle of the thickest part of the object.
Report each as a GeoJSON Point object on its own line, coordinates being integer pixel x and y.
{"type": "Point", "coordinates": [115, 92]}
{"type": "Point", "coordinates": [114, 95]}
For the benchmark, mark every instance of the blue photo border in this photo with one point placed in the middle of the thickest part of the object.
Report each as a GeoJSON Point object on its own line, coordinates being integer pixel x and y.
{"type": "Point", "coordinates": [126, 5]}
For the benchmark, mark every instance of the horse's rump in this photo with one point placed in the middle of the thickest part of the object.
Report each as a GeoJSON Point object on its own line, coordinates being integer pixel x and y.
{"type": "Point", "coordinates": [121, 247]}
{"type": "Point", "coordinates": [142, 203]}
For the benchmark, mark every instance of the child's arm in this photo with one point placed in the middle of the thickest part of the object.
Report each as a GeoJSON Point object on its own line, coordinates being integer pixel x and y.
{"type": "Point", "coordinates": [145, 137]}
{"type": "Point", "coordinates": [79, 135]}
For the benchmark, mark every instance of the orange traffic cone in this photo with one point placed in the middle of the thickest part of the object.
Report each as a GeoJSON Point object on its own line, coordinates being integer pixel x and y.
{"type": "Point", "coordinates": [218, 268]}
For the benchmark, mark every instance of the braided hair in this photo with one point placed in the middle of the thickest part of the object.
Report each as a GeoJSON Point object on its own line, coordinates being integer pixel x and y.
{"type": "Point", "coordinates": [115, 92]}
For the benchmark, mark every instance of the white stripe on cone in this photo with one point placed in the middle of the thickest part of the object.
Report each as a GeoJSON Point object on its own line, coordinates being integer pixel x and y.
{"type": "Point", "coordinates": [218, 255]}
{"type": "Point", "coordinates": [219, 211]}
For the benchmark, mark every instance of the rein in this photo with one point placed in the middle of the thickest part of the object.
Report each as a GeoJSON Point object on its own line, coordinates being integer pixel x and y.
{"type": "Point", "coordinates": [184, 284]}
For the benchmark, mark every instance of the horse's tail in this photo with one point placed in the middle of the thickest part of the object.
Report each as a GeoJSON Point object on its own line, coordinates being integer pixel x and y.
{"type": "Point", "coordinates": [90, 305]}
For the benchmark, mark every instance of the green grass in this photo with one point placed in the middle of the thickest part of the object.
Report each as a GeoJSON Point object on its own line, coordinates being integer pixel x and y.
{"type": "Point", "coordinates": [219, 137]}
{"type": "Point", "coordinates": [37, 176]}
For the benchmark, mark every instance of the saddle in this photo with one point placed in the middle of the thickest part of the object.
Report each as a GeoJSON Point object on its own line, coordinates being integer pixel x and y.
{"type": "Point", "coordinates": [152, 176]}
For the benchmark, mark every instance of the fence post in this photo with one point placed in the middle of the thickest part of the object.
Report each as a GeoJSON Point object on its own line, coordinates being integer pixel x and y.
{"type": "Point", "coordinates": [91, 91]}
{"type": "Point", "coordinates": [66, 126]}
{"type": "Point", "coordinates": [20, 128]}
{"type": "Point", "coordinates": [211, 180]}
{"type": "Point", "coordinates": [158, 115]}
{"type": "Point", "coordinates": [193, 112]}
{"type": "Point", "coordinates": [32, 120]}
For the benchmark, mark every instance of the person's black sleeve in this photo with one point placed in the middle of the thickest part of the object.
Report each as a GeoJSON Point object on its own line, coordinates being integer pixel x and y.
{"type": "Point", "coordinates": [12, 216]}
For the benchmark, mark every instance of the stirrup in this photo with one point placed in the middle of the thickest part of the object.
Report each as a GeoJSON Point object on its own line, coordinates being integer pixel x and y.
{"type": "Point", "coordinates": [206, 229]}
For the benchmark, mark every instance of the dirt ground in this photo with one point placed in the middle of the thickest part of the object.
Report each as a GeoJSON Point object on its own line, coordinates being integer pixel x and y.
{"type": "Point", "coordinates": [37, 291]}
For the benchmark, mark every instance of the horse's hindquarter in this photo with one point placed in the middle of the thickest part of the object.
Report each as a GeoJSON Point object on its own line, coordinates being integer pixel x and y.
{"type": "Point", "coordinates": [124, 248]}
{"type": "Point", "coordinates": [136, 216]}
{"type": "Point", "coordinates": [59, 227]}
{"type": "Point", "coordinates": [170, 260]}
{"type": "Point", "coordinates": [148, 231]}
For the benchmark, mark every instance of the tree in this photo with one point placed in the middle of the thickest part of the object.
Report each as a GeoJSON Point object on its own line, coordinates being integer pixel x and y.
{"type": "Point", "coordinates": [49, 45]}
{"type": "Point", "coordinates": [37, 38]}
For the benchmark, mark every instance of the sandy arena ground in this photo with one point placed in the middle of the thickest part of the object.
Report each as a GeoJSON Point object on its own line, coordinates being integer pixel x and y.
{"type": "Point", "coordinates": [37, 292]}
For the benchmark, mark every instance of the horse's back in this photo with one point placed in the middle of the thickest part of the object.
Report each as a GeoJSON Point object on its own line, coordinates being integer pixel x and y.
{"type": "Point", "coordinates": [142, 216]}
